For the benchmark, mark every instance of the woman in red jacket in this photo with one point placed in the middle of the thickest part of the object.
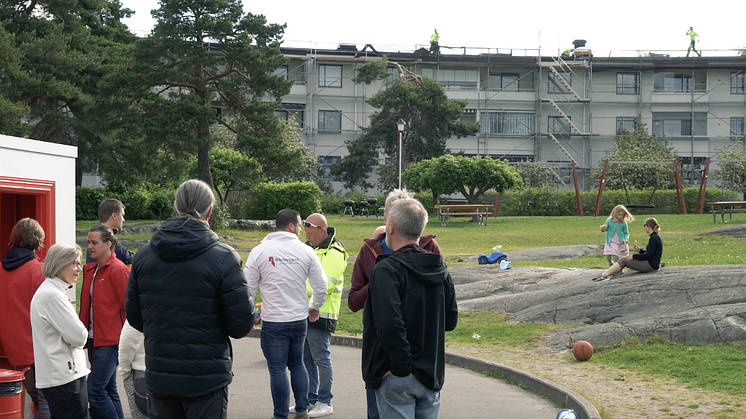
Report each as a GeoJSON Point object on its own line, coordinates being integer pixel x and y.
{"type": "Point", "coordinates": [102, 313]}
{"type": "Point", "coordinates": [20, 276]}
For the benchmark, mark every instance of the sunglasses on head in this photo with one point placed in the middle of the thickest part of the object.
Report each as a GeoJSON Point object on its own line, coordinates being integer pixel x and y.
{"type": "Point", "coordinates": [307, 224]}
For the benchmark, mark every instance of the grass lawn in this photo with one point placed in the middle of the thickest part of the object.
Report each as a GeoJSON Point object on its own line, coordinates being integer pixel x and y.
{"type": "Point", "coordinates": [717, 368]}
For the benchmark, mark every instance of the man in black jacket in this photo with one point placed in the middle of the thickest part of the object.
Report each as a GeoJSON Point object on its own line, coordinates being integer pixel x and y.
{"type": "Point", "coordinates": [411, 303]}
{"type": "Point", "coordinates": [187, 294]}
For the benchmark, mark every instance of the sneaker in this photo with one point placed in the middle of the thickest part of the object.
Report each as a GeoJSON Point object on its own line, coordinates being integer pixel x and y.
{"type": "Point", "coordinates": [321, 410]}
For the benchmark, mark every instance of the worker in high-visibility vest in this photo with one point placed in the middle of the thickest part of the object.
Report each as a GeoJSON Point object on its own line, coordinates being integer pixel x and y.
{"type": "Point", "coordinates": [692, 35]}
{"type": "Point", "coordinates": [434, 47]}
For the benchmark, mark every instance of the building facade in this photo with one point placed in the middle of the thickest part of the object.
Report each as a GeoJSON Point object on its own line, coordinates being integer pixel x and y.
{"type": "Point", "coordinates": [532, 107]}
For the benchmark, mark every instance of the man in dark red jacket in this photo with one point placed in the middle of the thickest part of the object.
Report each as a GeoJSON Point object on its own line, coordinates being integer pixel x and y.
{"type": "Point", "coordinates": [20, 276]}
{"type": "Point", "coordinates": [364, 263]}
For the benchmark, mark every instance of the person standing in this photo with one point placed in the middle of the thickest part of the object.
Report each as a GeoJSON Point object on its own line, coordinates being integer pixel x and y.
{"type": "Point", "coordinates": [20, 277]}
{"type": "Point", "coordinates": [59, 336]}
{"type": "Point", "coordinates": [132, 367]}
{"type": "Point", "coordinates": [111, 213]}
{"type": "Point", "coordinates": [411, 304]}
{"type": "Point", "coordinates": [434, 46]}
{"type": "Point", "coordinates": [187, 294]}
{"type": "Point", "coordinates": [317, 357]}
{"type": "Point", "coordinates": [617, 234]}
{"type": "Point", "coordinates": [692, 46]}
{"type": "Point", "coordinates": [278, 267]}
{"type": "Point", "coordinates": [102, 313]}
{"type": "Point", "coordinates": [366, 260]}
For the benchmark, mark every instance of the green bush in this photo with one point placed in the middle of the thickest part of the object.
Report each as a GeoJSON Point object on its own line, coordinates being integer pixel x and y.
{"type": "Point", "coordinates": [269, 198]}
{"type": "Point", "coordinates": [145, 202]}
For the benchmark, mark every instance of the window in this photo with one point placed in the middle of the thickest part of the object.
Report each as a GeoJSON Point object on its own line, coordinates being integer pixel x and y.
{"type": "Point", "coordinates": [326, 166]}
{"type": "Point", "coordinates": [680, 82]}
{"type": "Point", "coordinates": [452, 78]}
{"type": "Point", "coordinates": [677, 124]}
{"type": "Point", "coordinates": [282, 114]}
{"type": "Point", "coordinates": [626, 83]}
{"type": "Point", "coordinates": [505, 82]}
{"type": "Point", "coordinates": [393, 77]}
{"type": "Point", "coordinates": [281, 71]}
{"type": "Point", "coordinates": [736, 128]}
{"type": "Point", "coordinates": [330, 75]}
{"type": "Point", "coordinates": [558, 124]}
{"type": "Point", "coordinates": [624, 124]}
{"type": "Point", "coordinates": [515, 123]}
{"type": "Point", "coordinates": [736, 82]}
{"type": "Point", "coordinates": [330, 121]}
{"type": "Point", "coordinates": [556, 86]}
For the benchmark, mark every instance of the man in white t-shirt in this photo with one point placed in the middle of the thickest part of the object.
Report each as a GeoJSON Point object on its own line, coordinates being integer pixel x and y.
{"type": "Point", "coordinates": [278, 267]}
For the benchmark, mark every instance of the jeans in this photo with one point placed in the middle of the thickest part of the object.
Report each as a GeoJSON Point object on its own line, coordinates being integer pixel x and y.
{"type": "Point", "coordinates": [406, 398]}
{"type": "Point", "coordinates": [29, 383]}
{"type": "Point", "coordinates": [209, 406]}
{"type": "Point", "coordinates": [318, 360]}
{"type": "Point", "coordinates": [68, 401]}
{"type": "Point", "coordinates": [282, 344]}
{"type": "Point", "coordinates": [370, 399]}
{"type": "Point", "coordinates": [102, 382]}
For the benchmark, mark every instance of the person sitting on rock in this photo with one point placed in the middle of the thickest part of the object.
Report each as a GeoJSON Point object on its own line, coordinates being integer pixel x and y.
{"type": "Point", "coordinates": [647, 260]}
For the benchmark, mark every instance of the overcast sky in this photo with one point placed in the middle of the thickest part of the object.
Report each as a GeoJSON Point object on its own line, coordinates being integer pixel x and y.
{"type": "Point", "coordinates": [619, 27]}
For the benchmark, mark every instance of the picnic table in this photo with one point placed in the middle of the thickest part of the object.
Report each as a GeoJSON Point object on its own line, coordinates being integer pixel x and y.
{"type": "Point", "coordinates": [726, 207]}
{"type": "Point", "coordinates": [481, 211]}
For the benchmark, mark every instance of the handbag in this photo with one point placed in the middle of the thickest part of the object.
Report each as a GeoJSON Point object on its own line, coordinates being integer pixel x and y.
{"type": "Point", "coordinates": [141, 395]}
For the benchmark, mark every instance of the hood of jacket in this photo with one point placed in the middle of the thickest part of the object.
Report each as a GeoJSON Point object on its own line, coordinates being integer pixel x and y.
{"type": "Point", "coordinates": [420, 264]}
{"type": "Point", "coordinates": [16, 257]}
{"type": "Point", "coordinates": [182, 239]}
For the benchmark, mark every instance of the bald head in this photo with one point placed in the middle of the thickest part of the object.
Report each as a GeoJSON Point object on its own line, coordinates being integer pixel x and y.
{"type": "Point", "coordinates": [315, 228]}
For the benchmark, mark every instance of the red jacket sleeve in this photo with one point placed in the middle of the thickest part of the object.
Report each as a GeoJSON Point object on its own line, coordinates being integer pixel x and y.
{"type": "Point", "coordinates": [359, 281]}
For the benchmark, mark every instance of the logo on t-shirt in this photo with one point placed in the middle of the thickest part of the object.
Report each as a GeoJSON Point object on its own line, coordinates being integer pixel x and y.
{"type": "Point", "coordinates": [272, 260]}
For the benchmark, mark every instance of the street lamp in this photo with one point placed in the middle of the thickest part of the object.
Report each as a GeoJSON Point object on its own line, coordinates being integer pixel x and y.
{"type": "Point", "coordinates": [400, 126]}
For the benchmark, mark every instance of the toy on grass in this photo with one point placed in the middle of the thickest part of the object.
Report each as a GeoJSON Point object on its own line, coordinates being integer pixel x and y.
{"type": "Point", "coordinates": [582, 350]}
{"type": "Point", "coordinates": [494, 257]}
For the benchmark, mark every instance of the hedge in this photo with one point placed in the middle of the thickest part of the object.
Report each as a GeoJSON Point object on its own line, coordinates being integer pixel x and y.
{"type": "Point", "coordinates": [269, 198]}
{"type": "Point", "coordinates": [145, 202]}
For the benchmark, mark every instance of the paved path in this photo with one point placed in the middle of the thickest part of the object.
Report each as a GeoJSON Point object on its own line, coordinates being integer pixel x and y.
{"type": "Point", "coordinates": [466, 393]}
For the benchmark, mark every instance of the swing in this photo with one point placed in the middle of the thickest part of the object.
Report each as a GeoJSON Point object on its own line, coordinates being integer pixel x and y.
{"type": "Point", "coordinates": [527, 207]}
{"type": "Point", "coordinates": [553, 208]}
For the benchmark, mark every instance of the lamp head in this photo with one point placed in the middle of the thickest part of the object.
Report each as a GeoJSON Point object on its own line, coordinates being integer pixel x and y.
{"type": "Point", "coordinates": [400, 125]}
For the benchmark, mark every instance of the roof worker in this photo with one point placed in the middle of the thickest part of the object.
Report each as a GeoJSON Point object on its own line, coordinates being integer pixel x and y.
{"type": "Point", "coordinates": [692, 35]}
{"type": "Point", "coordinates": [434, 47]}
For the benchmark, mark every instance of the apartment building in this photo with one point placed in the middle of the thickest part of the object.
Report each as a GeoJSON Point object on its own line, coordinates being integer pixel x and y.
{"type": "Point", "coordinates": [532, 107]}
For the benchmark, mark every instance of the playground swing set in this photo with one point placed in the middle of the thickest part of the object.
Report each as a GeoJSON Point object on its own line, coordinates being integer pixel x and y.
{"type": "Point", "coordinates": [649, 205]}
{"type": "Point", "coordinates": [527, 205]}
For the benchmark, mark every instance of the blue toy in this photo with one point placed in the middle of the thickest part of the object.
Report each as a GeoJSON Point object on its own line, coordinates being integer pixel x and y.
{"type": "Point", "coordinates": [494, 257]}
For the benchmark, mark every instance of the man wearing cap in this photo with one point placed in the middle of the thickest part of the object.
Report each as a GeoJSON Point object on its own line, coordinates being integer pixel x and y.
{"type": "Point", "coordinates": [317, 357]}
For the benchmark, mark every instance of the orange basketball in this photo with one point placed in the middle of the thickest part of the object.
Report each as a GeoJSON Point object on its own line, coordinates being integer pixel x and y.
{"type": "Point", "coordinates": [582, 350]}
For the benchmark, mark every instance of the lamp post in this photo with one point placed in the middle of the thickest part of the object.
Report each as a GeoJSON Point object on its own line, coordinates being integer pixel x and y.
{"type": "Point", "coordinates": [400, 126]}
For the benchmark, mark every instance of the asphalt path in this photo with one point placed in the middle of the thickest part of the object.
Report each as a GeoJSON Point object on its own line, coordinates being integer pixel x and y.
{"type": "Point", "coordinates": [466, 394]}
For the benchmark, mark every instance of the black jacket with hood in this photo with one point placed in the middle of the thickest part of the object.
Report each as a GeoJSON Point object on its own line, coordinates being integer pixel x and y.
{"type": "Point", "coordinates": [188, 295]}
{"type": "Point", "coordinates": [411, 303]}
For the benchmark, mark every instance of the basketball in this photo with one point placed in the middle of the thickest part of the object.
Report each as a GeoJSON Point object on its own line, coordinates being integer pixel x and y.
{"type": "Point", "coordinates": [582, 350]}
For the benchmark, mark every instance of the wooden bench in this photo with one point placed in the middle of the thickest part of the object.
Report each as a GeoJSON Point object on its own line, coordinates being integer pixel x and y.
{"type": "Point", "coordinates": [726, 207]}
{"type": "Point", "coordinates": [481, 211]}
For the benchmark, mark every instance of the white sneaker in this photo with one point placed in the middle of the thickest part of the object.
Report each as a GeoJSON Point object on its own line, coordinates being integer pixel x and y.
{"type": "Point", "coordinates": [320, 410]}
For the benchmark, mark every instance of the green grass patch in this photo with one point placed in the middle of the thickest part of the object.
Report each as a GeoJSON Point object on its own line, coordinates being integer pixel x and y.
{"type": "Point", "coordinates": [493, 329]}
{"type": "Point", "coordinates": [711, 367]}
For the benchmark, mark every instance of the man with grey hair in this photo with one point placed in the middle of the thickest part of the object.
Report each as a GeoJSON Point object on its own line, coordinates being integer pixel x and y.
{"type": "Point", "coordinates": [366, 259]}
{"type": "Point", "coordinates": [411, 303]}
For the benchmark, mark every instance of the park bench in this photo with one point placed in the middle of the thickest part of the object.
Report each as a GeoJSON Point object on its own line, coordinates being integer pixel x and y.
{"type": "Point", "coordinates": [726, 207]}
{"type": "Point", "coordinates": [481, 211]}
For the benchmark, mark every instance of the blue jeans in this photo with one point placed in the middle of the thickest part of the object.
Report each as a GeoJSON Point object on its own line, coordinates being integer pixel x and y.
{"type": "Point", "coordinates": [318, 360]}
{"type": "Point", "coordinates": [282, 344]}
{"type": "Point", "coordinates": [406, 398]}
{"type": "Point", "coordinates": [102, 382]}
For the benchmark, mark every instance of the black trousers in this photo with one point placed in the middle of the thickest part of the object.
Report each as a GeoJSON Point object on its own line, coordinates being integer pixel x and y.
{"type": "Point", "coordinates": [68, 401]}
{"type": "Point", "coordinates": [210, 406]}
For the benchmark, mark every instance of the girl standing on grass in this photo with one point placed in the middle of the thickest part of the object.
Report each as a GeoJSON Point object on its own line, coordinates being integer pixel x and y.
{"type": "Point", "coordinates": [617, 234]}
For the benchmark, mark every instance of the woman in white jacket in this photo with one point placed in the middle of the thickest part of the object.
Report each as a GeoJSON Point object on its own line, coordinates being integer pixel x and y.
{"type": "Point", "coordinates": [59, 336]}
{"type": "Point", "coordinates": [132, 365]}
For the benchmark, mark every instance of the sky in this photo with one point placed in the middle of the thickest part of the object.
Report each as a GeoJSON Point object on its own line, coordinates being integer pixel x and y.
{"type": "Point", "coordinates": [616, 28]}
